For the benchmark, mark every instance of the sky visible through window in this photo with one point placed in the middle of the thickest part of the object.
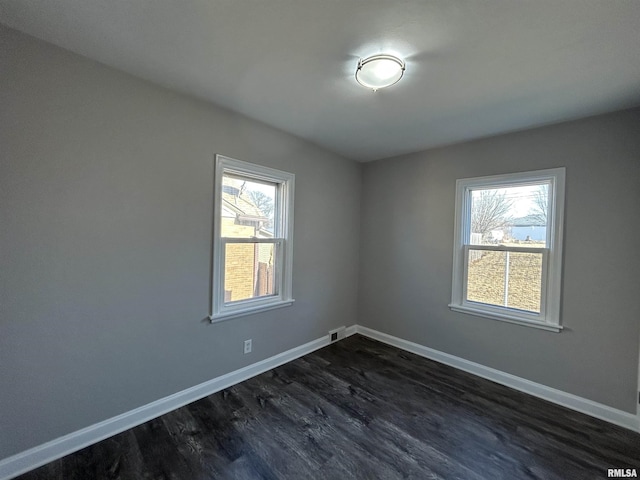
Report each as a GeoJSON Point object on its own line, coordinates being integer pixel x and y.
{"type": "Point", "coordinates": [509, 213]}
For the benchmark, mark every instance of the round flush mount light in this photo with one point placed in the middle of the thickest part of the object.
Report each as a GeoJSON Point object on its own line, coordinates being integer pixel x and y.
{"type": "Point", "coordinates": [379, 71]}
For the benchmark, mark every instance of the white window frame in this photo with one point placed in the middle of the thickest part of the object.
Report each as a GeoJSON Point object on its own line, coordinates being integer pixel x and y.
{"type": "Point", "coordinates": [283, 240]}
{"type": "Point", "coordinates": [550, 299]}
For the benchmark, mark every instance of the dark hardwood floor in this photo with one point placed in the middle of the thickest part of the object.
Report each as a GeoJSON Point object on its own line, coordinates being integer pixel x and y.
{"type": "Point", "coordinates": [360, 409]}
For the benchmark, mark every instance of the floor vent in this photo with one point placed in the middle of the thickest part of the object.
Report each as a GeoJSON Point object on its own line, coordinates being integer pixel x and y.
{"type": "Point", "coordinates": [337, 334]}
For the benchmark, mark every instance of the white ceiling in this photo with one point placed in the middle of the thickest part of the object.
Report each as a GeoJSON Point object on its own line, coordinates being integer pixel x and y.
{"type": "Point", "coordinates": [474, 68]}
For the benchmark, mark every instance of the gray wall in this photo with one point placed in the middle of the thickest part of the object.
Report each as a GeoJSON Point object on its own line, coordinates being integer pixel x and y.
{"type": "Point", "coordinates": [105, 211]}
{"type": "Point", "coordinates": [105, 233]}
{"type": "Point", "coordinates": [407, 249]}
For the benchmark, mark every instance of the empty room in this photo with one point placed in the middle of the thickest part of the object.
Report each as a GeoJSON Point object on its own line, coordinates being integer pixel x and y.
{"type": "Point", "coordinates": [290, 239]}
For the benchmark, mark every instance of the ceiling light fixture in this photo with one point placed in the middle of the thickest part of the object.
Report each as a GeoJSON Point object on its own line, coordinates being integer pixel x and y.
{"type": "Point", "coordinates": [379, 71]}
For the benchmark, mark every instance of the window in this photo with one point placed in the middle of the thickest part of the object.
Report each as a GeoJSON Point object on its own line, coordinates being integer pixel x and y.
{"type": "Point", "coordinates": [252, 242]}
{"type": "Point", "coordinates": [507, 261]}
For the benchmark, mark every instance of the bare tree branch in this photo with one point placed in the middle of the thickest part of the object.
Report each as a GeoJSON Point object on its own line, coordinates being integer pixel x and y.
{"type": "Point", "coordinates": [489, 211]}
{"type": "Point", "coordinates": [262, 201]}
{"type": "Point", "coordinates": [541, 204]}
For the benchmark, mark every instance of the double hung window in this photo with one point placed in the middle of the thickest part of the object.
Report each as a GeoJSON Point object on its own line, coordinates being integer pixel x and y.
{"type": "Point", "coordinates": [252, 246]}
{"type": "Point", "coordinates": [507, 261]}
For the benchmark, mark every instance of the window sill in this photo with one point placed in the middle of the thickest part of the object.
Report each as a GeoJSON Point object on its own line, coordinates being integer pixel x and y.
{"type": "Point", "coordinates": [219, 317]}
{"type": "Point", "coordinates": [505, 318]}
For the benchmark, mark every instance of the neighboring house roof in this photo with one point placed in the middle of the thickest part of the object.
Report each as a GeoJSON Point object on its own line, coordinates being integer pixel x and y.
{"type": "Point", "coordinates": [528, 221]}
{"type": "Point", "coordinates": [241, 203]}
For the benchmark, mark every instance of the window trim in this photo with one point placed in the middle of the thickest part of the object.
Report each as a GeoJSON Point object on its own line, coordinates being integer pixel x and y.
{"type": "Point", "coordinates": [283, 240]}
{"type": "Point", "coordinates": [549, 317]}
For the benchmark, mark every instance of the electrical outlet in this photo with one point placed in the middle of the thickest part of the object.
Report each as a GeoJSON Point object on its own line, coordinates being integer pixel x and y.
{"type": "Point", "coordinates": [247, 346]}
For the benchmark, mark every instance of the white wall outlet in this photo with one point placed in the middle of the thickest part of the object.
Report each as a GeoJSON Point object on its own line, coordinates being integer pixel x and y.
{"type": "Point", "coordinates": [247, 346]}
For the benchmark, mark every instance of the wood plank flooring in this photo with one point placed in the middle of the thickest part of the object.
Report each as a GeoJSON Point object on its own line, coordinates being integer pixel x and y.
{"type": "Point", "coordinates": [364, 410]}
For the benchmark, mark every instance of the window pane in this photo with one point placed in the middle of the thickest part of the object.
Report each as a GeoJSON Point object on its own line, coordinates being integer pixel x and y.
{"type": "Point", "coordinates": [525, 281]}
{"type": "Point", "coordinates": [510, 216]}
{"type": "Point", "coordinates": [249, 271]}
{"type": "Point", "coordinates": [505, 279]}
{"type": "Point", "coordinates": [486, 279]}
{"type": "Point", "coordinates": [248, 208]}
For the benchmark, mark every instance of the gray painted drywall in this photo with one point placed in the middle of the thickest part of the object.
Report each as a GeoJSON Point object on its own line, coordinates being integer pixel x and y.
{"type": "Point", "coordinates": [407, 245]}
{"type": "Point", "coordinates": [105, 234]}
{"type": "Point", "coordinates": [105, 210]}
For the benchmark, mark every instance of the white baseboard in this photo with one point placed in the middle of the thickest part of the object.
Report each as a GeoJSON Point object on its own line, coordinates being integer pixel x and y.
{"type": "Point", "coordinates": [35, 457]}
{"type": "Point", "coordinates": [574, 402]}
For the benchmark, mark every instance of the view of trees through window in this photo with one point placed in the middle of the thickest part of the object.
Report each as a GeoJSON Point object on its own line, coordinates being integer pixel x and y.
{"type": "Point", "coordinates": [515, 218]}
